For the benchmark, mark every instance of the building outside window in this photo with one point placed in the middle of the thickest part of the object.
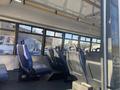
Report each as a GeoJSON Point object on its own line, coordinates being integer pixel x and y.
{"type": "Point", "coordinates": [32, 39]}
{"type": "Point", "coordinates": [53, 39]}
{"type": "Point", "coordinates": [71, 40]}
{"type": "Point", "coordinates": [7, 37]}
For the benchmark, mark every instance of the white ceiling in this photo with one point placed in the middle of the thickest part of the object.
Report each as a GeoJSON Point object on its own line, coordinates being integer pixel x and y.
{"type": "Point", "coordinates": [87, 10]}
{"type": "Point", "coordinates": [4, 2]}
{"type": "Point", "coordinates": [90, 9]}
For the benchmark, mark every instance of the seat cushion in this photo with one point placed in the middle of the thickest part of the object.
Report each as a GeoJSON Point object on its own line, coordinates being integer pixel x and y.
{"type": "Point", "coordinates": [41, 68]}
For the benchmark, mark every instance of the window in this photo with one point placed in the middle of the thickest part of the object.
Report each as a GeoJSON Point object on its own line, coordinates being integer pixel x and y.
{"type": "Point", "coordinates": [95, 46]}
{"type": "Point", "coordinates": [69, 43]}
{"type": "Point", "coordinates": [68, 36]}
{"type": "Point", "coordinates": [85, 43]}
{"type": "Point", "coordinates": [88, 39]}
{"type": "Point", "coordinates": [85, 46]}
{"type": "Point", "coordinates": [52, 42]}
{"type": "Point", "coordinates": [33, 42]}
{"type": "Point", "coordinates": [58, 34]}
{"type": "Point", "coordinates": [75, 37]}
{"type": "Point", "coordinates": [82, 38]}
{"type": "Point", "coordinates": [50, 33]}
{"type": "Point", "coordinates": [7, 25]}
{"type": "Point", "coordinates": [71, 40]}
{"type": "Point", "coordinates": [98, 41]}
{"type": "Point", "coordinates": [25, 28]}
{"type": "Point", "coordinates": [7, 38]}
{"type": "Point", "coordinates": [94, 40]}
{"type": "Point", "coordinates": [37, 30]}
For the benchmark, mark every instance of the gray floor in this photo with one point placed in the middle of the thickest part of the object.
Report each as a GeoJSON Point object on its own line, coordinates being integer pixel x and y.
{"type": "Point", "coordinates": [14, 84]}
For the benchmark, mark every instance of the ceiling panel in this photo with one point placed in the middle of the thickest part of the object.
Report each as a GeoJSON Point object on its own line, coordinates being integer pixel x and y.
{"type": "Point", "coordinates": [73, 5]}
{"type": "Point", "coordinates": [87, 9]}
{"type": "Point", "coordinates": [80, 8]}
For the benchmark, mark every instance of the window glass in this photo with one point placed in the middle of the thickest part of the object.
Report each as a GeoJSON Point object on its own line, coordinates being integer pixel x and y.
{"type": "Point", "coordinates": [7, 25]}
{"type": "Point", "coordinates": [67, 44]}
{"type": "Point", "coordinates": [7, 39]}
{"type": "Point", "coordinates": [58, 34]}
{"type": "Point", "coordinates": [82, 38]}
{"type": "Point", "coordinates": [75, 37]}
{"type": "Point", "coordinates": [37, 30]}
{"type": "Point", "coordinates": [94, 40]}
{"type": "Point", "coordinates": [85, 46]}
{"type": "Point", "coordinates": [88, 39]}
{"type": "Point", "coordinates": [68, 36]}
{"type": "Point", "coordinates": [75, 43]}
{"type": "Point", "coordinates": [25, 28]}
{"type": "Point", "coordinates": [98, 41]}
{"type": "Point", "coordinates": [70, 43]}
{"type": "Point", "coordinates": [50, 33]}
{"type": "Point", "coordinates": [52, 42]}
{"type": "Point", "coordinates": [33, 42]}
{"type": "Point", "coordinates": [95, 47]}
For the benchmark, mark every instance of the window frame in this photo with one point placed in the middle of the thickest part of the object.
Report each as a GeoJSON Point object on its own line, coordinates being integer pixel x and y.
{"type": "Point", "coordinates": [44, 33]}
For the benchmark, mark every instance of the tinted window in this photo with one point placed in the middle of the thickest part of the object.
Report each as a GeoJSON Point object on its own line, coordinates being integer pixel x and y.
{"type": "Point", "coordinates": [85, 45]}
{"type": "Point", "coordinates": [37, 30]}
{"type": "Point", "coordinates": [58, 34]}
{"type": "Point", "coordinates": [82, 38]}
{"type": "Point", "coordinates": [75, 37]}
{"type": "Point", "coordinates": [98, 41]}
{"type": "Point", "coordinates": [68, 36]}
{"type": "Point", "coordinates": [25, 28]}
{"type": "Point", "coordinates": [7, 39]}
{"type": "Point", "coordinates": [50, 33]}
{"type": "Point", "coordinates": [94, 40]}
{"type": "Point", "coordinates": [52, 42]}
{"type": "Point", "coordinates": [33, 42]}
{"type": "Point", "coordinates": [88, 39]}
{"type": "Point", "coordinates": [7, 25]}
{"type": "Point", "coordinates": [70, 43]}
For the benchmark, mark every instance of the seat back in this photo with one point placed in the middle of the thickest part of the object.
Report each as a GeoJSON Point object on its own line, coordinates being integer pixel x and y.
{"type": "Point", "coordinates": [73, 63]}
{"type": "Point", "coordinates": [51, 54]}
{"type": "Point", "coordinates": [62, 59]}
{"type": "Point", "coordinates": [77, 63]}
{"type": "Point", "coordinates": [52, 60]}
{"type": "Point", "coordinates": [25, 63]}
{"type": "Point", "coordinates": [28, 56]}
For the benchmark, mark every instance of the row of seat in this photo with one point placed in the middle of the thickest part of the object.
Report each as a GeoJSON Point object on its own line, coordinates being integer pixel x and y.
{"type": "Point", "coordinates": [57, 61]}
{"type": "Point", "coordinates": [74, 63]}
{"type": "Point", "coordinates": [85, 71]}
{"type": "Point", "coordinates": [27, 68]}
{"type": "Point", "coordinates": [71, 62]}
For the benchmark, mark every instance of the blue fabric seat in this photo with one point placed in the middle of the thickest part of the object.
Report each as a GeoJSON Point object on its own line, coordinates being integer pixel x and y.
{"type": "Point", "coordinates": [40, 68]}
{"type": "Point", "coordinates": [27, 67]}
{"type": "Point", "coordinates": [58, 63]}
{"type": "Point", "coordinates": [3, 73]}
